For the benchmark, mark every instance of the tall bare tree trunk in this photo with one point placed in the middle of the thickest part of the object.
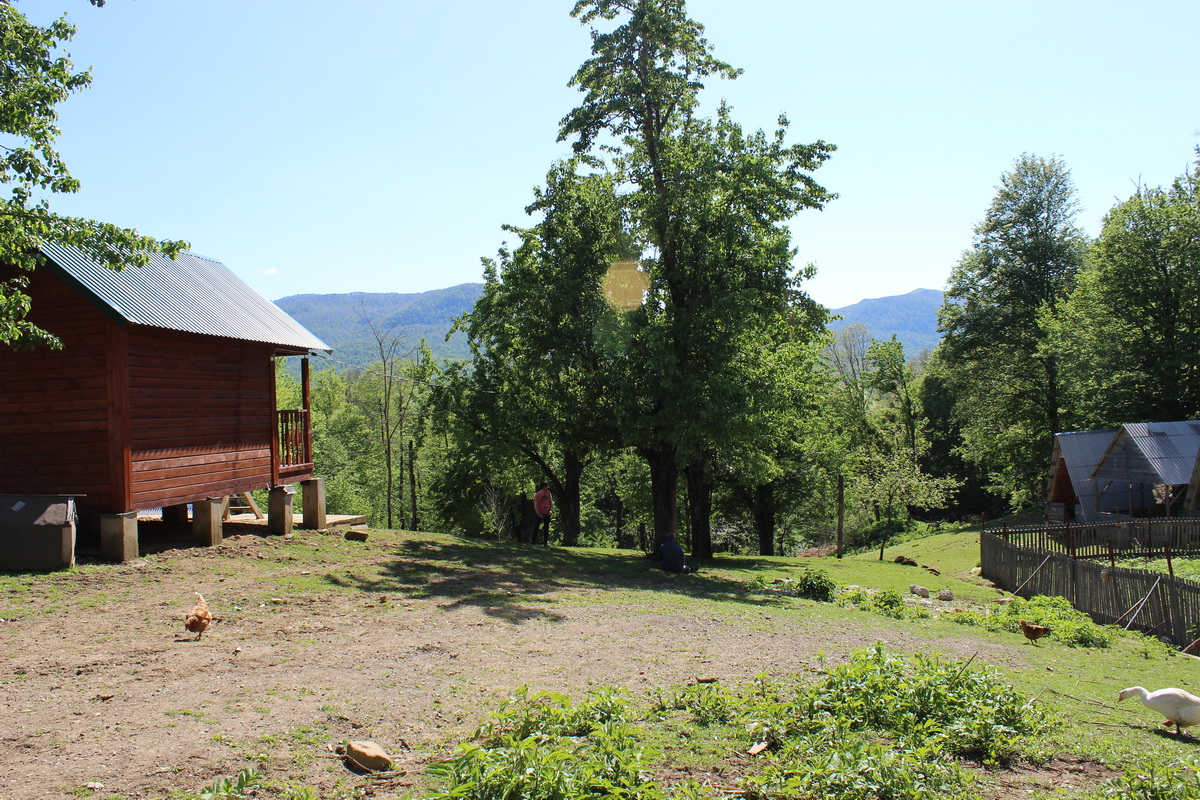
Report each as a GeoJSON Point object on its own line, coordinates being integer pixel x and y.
{"type": "Point", "coordinates": [412, 484]}
{"type": "Point", "coordinates": [764, 518]}
{"type": "Point", "coordinates": [664, 490]}
{"type": "Point", "coordinates": [699, 500]}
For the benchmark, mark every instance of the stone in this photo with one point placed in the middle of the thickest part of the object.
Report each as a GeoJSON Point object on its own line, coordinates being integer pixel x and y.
{"type": "Point", "coordinates": [369, 756]}
{"type": "Point", "coordinates": [919, 591]}
{"type": "Point", "coordinates": [946, 594]}
{"type": "Point", "coordinates": [356, 536]}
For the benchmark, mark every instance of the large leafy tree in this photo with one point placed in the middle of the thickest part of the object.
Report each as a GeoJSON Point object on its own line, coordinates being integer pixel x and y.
{"type": "Point", "coordinates": [709, 200]}
{"type": "Point", "coordinates": [1132, 327]}
{"type": "Point", "coordinates": [1001, 303]}
{"type": "Point", "coordinates": [35, 76]}
{"type": "Point", "coordinates": [540, 388]}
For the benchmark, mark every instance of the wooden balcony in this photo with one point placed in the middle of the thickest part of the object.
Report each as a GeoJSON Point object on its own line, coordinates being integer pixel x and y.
{"type": "Point", "coordinates": [293, 456]}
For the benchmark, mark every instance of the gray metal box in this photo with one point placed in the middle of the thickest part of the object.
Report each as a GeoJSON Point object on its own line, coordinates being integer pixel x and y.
{"type": "Point", "coordinates": [37, 531]}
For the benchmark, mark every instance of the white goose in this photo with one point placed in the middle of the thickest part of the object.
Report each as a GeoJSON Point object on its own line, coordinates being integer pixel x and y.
{"type": "Point", "coordinates": [1182, 709]}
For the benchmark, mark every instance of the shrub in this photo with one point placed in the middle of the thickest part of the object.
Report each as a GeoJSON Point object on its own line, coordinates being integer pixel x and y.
{"type": "Point", "coordinates": [549, 714]}
{"type": "Point", "coordinates": [890, 603]}
{"type": "Point", "coordinates": [544, 747]}
{"type": "Point", "coordinates": [1147, 778]}
{"type": "Point", "coordinates": [815, 584]}
{"type": "Point", "coordinates": [857, 768]}
{"type": "Point", "coordinates": [925, 701]}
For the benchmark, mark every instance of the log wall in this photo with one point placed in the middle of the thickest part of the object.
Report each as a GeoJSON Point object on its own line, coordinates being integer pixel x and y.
{"type": "Point", "coordinates": [132, 418]}
{"type": "Point", "coordinates": [201, 416]}
{"type": "Point", "coordinates": [54, 409]}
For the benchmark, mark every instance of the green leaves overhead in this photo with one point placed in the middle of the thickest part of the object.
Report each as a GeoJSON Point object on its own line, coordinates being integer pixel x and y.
{"type": "Point", "coordinates": [1000, 305]}
{"type": "Point", "coordinates": [34, 78]}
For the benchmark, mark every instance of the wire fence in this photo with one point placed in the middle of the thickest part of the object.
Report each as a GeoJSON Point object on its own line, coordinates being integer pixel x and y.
{"type": "Point", "coordinates": [1078, 562]}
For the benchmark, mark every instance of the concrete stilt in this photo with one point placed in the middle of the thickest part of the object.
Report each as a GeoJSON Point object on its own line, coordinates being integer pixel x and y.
{"type": "Point", "coordinates": [279, 510]}
{"type": "Point", "coordinates": [206, 521]}
{"type": "Point", "coordinates": [119, 536]}
{"type": "Point", "coordinates": [313, 504]}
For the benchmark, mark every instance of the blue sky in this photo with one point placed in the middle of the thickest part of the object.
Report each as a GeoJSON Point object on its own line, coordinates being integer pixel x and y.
{"type": "Point", "coordinates": [379, 145]}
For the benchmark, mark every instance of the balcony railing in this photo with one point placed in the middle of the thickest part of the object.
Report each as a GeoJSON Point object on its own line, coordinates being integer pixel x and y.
{"type": "Point", "coordinates": [295, 445]}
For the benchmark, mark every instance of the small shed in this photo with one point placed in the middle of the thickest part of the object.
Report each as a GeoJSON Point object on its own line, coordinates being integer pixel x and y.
{"type": "Point", "coordinates": [1162, 457]}
{"type": "Point", "coordinates": [163, 396]}
{"type": "Point", "coordinates": [1072, 494]}
{"type": "Point", "coordinates": [1139, 469]}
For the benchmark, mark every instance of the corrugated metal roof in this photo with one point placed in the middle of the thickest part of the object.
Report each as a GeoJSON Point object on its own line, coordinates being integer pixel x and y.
{"type": "Point", "coordinates": [1152, 452]}
{"type": "Point", "coordinates": [190, 293]}
{"type": "Point", "coordinates": [1081, 452]}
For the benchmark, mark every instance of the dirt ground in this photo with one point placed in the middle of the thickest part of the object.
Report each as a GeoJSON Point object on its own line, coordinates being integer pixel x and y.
{"type": "Point", "coordinates": [100, 686]}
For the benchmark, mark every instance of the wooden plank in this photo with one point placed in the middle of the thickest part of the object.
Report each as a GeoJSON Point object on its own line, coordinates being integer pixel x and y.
{"type": "Point", "coordinates": [57, 426]}
{"type": "Point", "coordinates": [169, 462]}
{"type": "Point", "coordinates": [155, 479]}
{"type": "Point", "coordinates": [190, 494]}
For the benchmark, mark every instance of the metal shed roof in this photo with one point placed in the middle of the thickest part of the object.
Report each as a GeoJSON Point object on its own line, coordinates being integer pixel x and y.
{"type": "Point", "coordinates": [1152, 452]}
{"type": "Point", "coordinates": [1081, 452]}
{"type": "Point", "coordinates": [189, 293]}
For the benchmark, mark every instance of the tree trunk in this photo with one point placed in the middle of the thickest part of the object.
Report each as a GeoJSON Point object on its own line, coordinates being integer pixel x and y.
{"type": "Point", "coordinates": [568, 506]}
{"type": "Point", "coordinates": [412, 484]}
{"type": "Point", "coordinates": [664, 482]}
{"type": "Point", "coordinates": [764, 518]}
{"type": "Point", "coordinates": [391, 479]}
{"type": "Point", "coordinates": [699, 498]}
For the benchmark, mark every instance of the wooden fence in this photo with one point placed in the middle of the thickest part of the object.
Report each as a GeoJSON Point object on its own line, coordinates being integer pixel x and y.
{"type": "Point", "coordinates": [1074, 562]}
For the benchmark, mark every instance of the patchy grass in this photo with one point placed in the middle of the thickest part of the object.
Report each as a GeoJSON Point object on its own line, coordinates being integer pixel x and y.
{"type": "Point", "coordinates": [284, 606]}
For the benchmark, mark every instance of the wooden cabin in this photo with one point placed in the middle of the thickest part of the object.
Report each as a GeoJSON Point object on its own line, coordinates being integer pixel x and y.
{"type": "Point", "coordinates": [162, 396]}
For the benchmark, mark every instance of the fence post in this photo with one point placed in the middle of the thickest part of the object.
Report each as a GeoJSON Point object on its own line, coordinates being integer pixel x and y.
{"type": "Point", "coordinates": [1074, 569]}
{"type": "Point", "coordinates": [1177, 635]}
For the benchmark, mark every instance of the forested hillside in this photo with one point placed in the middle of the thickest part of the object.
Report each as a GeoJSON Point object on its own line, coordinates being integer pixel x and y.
{"type": "Point", "coordinates": [344, 321]}
{"type": "Point", "coordinates": [669, 383]}
{"type": "Point", "coordinates": [911, 317]}
{"type": "Point", "coordinates": [341, 320]}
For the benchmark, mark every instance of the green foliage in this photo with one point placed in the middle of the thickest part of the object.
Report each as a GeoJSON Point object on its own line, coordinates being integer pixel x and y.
{"type": "Point", "coordinates": [1001, 305]}
{"type": "Point", "coordinates": [35, 78]}
{"type": "Point", "coordinates": [926, 700]}
{"type": "Point", "coordinates": [856, 768]}
{"type": "Point", "coordinates": [1186, 568]}
{"type": "Point", "coordinates": [706, 703]}
{"type": "Point", "coordinates": [545, 748]}
{"type": "Point", "coordinates": [232, 788]}
{"type": "Point", "coordinates": [550, 715]}
{"type": "Point", "coordinates": [880, 726]}
{"type": "Point", "coordinates": [815, 584]}
{"type": "Point", "coordinates": [1142, 278]}
{"type": "Point", "coordinates": [890, 603]}
{"type": "Point", "coordinates": [1070, 627]}
{"type": "Point", "coordinates": [1150, 778]}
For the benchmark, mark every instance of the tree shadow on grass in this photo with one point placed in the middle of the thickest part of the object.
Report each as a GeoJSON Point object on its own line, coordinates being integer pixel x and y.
{"type": "Point", "coordinates": [508, 580]}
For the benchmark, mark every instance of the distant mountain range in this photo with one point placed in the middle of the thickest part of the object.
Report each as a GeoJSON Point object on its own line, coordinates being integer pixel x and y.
{"type": "Point", "coordinates": [343, 321]}
{"type": "Point", "coordinates": [911, 317]}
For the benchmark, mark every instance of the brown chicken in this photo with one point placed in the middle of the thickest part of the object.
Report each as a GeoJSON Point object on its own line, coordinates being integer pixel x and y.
{"type": "Point", "coordinates": [198, 619]}
{"type": "Point", "coordinates": [1033, 632]}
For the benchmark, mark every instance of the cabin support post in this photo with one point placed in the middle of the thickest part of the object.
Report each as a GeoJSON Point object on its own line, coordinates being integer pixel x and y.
{"type": "Point", "coordinates": [175, 514]}
{"type": "Point", "coordinates": [313, 504]}
{"type": "Point", "coordinates": [279, 510]}
{"type": "Point", "coordinates": [206, 520]}
{"type": "Point", "coordinates": [119, 536]}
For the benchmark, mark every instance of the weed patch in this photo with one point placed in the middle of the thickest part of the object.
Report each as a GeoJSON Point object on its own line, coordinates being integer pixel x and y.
{"type": "Point", "coordinates": [1070, 627]}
